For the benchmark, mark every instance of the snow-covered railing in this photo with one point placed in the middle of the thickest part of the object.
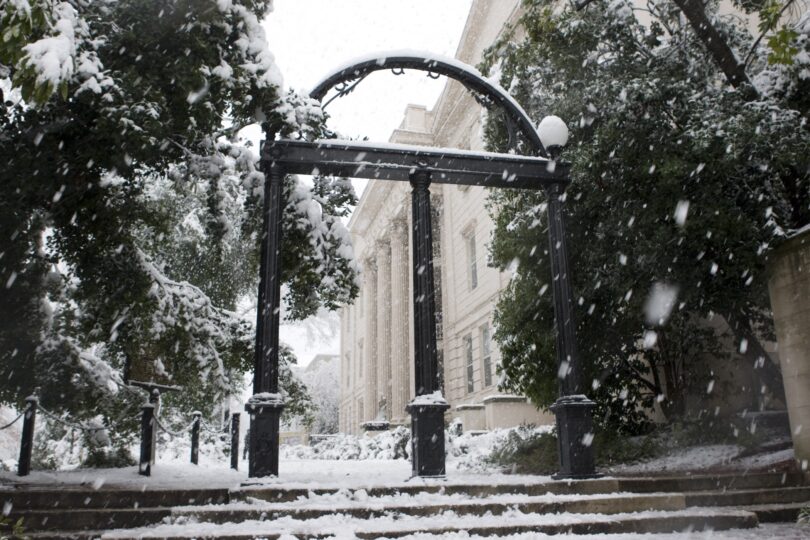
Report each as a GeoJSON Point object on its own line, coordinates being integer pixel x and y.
{"type": "Point", "coordinates": [29, 416]}
{"type": "Point", "coordinates": [151, 424]}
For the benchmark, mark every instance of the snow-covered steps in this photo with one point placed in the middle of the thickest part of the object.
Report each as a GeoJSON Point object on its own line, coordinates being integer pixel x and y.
{"type": "Point", "coordinates": [357, 504]}
{"type": "Point", "coordinates": [480, 505]}
{"type": "Point", "coordinates": [87, 508]}
{"type": "Point", "coordinates": [527, 485]}
{"type": "Point", "coordinates": [784, 495]}
{"type": "Point", "coordinates": [87, 496]}
{"type": "Point", "coordinates": [777, 512]}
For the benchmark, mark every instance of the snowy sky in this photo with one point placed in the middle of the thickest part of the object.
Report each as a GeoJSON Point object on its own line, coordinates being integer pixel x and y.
{"type": "Point", "coordinates": [312, 38]}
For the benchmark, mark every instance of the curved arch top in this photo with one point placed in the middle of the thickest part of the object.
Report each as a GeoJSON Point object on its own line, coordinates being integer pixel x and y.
{"type": "Point", "coordinates": [486, 91]}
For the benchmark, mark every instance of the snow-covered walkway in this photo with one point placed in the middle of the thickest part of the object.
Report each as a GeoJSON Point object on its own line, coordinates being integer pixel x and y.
{"type": "Point", "coordinates": [306, 474]}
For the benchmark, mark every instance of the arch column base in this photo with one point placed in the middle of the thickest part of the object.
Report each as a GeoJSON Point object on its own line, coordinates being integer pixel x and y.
{"type": "Point", "coordinates": [575, 437]}
{"type": "Point", "coordinates": [263, 448]}
{"type": "Point", "coordinates": [427, 437]}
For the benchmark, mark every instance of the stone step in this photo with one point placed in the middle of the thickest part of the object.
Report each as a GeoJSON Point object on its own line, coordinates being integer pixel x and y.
{"type": "Point", "coordinates": [711, 482]}
{"type": "Point", "coordinates": [420, 505]}
{"type": "Point", "coordinates": [515, 523]}
{"type": "Point", "coordinates": [274, 493]}
{"type": "Point", "coordinates": [585, 487]}
{"type": "Point", "coordinates": [31, 498]}
{"type": "Point", "coordinates": [94, 518]}
{"type": "Point", "coordinates": [372, 509]}
{"type": "Point", "coordinates": [88, 519]}
{"type": "Point", "coordinates": [749, 497]}
{"type": "Point", "coordinates": [776, 513]}
{"type": "Point", "coordinates": [86, 509]}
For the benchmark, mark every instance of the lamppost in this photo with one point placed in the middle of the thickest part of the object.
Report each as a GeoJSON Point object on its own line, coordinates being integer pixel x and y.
{"type": "Point", "coordinates": [572, 408]}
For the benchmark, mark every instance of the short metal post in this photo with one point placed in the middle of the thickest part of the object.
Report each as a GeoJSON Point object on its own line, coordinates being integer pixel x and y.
{"type": "Point", "coordinates": [27, 443]}
{"type": "Point", "coordinates": [154, 399]}
{"type": "Point", "coordinates": [235, 441]}
{"type": "Point", "coordinates": [195, 437]}
{"type": "Point", "coordinates": [147, 439]}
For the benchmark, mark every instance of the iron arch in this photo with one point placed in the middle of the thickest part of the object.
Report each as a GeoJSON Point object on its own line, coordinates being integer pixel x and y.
{"type": "Point", "coordinates": [346, 79]}
{"type": "Point", "coordinates": [420, 166]}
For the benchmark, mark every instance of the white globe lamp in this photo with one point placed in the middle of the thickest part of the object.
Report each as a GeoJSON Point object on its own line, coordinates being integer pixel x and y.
{"type": "Point", "coordinates": [553, 134]}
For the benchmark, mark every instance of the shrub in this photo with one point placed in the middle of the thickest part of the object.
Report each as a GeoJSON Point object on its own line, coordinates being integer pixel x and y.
{"type": "Point", "coordinates": [536, 453]}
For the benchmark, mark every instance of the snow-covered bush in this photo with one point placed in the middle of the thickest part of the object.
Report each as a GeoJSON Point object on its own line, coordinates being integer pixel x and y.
{"type": "Point", "coordinates": [469, 451]}
{"type": "Point", "coordinates": [479, 451]}
{"type": "Point", "coordinates": [393, 444]}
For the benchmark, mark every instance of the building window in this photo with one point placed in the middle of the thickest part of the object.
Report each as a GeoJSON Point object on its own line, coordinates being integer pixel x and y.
{"type": "Point", "coordinates": [360, 360]}
{"type": "Point", "coordinates": [468, 358]}
{"type": "Point", "coordinates": [348, 370]}
{"type": "Point", "coordinates": [486, 354]}
{"type": "Point", "coordinates": [472, 265]}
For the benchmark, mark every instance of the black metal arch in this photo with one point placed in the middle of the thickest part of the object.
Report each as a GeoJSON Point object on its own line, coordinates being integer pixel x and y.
{"type": "Point", "coordinates": [346, 79]}
{"type": "Point", "coordinates": [420, 166]}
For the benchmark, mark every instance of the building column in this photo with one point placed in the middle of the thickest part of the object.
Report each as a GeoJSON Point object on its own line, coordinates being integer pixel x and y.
{"type": "Point", "coordinates": [383, 401]}
{"type": "Point", "coordinates": [411, 329]}
{"type": "Point", "coordinates": [370, 343]}
{"type": "Point", "coordinates": [400, 357]}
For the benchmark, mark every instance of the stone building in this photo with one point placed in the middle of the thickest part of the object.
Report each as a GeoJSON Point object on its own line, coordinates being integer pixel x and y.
{"type": "Point", "coordinates": [377, 330]}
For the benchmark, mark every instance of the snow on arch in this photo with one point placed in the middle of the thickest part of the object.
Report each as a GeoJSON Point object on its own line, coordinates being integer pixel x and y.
{"type": "Point", "coordinates": [426, 61]}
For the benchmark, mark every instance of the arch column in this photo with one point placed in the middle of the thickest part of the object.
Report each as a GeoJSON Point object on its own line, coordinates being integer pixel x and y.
{"type": "Point", "coordinates": [370, 349]}
{"type": "Point", "coordinates": [400, 357]}
{"type": "Point", "coordinates": [428, 407]}
{"type": "Point", "coordinates": [383, 360]}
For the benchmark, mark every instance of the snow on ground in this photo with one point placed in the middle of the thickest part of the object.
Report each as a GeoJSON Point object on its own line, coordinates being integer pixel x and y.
{"type": "Point", "coordinates": [303, 474]}
{"type": "Point", "coordinates": [9, 438]}
{"type": "Point", "coordinates": [170, 475]}
{"type": "Point", "coordinates": [697, 457]}
{"type": "Point", "coordinates": [712, 458]}
{"type": "Point", "coordinates": [467, 451]}
{"type": "Point", "coordinates": [344, 526]}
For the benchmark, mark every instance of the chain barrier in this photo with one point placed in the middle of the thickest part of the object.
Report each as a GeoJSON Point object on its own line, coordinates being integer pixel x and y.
{"type": "Point", "coordinates": [28, 408]}
{"type": "Point", "coordinates": [173, 433]}
{"type": "Point", "coordinates": [71, 425]}
{"type": "Point", "coordinates": [213, 430]}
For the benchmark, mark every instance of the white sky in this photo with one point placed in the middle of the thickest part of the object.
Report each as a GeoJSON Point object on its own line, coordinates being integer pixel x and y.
{"type": "Point", "coordinates": [312, 38]}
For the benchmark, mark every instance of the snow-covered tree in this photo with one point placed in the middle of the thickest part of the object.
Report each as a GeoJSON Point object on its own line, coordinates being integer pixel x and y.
{"type": "Point", "coordinates": [130, 211]}
{"type": "Point", "coordinates": [682, 179]}
{"type": "Point", "coordinates": [322, 379]}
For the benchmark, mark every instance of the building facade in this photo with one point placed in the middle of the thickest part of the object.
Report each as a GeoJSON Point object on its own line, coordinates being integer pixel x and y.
{"type": "Point", "coordinates": [377, 330]}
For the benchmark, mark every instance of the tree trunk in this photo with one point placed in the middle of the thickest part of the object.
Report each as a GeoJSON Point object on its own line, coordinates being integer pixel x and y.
{"type": "Point", "coordinates": [717, 46]}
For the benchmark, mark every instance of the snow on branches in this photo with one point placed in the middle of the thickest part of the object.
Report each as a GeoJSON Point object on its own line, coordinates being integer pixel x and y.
{"type": "Point", "coordinates": [148, 201]}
